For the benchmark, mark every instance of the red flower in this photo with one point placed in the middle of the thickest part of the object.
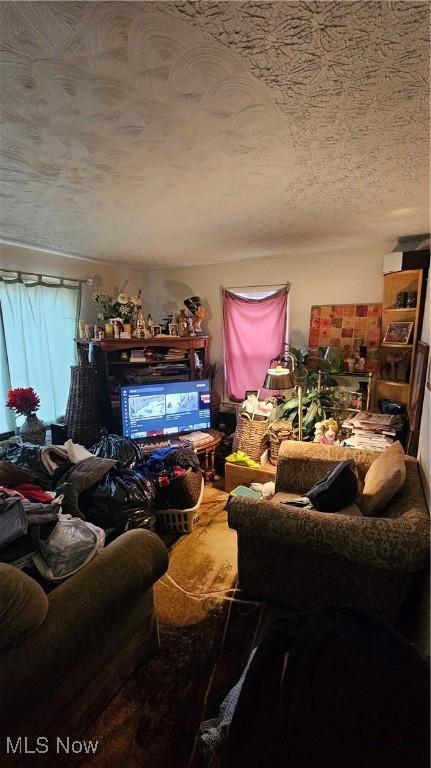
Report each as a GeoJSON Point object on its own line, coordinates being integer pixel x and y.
{"type": "Point", "coordinates": [23, 400]}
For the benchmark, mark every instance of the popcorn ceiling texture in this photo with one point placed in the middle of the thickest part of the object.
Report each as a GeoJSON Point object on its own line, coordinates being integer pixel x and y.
{"type": "Point", "coordinates": [181, 133]}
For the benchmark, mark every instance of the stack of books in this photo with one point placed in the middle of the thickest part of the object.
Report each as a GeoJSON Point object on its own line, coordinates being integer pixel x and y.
{"type": "Point", "coordinates": [370, 431]}
{"type": "Point", "coordinates": [174, 354]}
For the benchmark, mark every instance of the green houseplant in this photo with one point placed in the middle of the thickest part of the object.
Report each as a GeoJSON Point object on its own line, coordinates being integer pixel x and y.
{"type": "Point", "coordinates": [318, 400]}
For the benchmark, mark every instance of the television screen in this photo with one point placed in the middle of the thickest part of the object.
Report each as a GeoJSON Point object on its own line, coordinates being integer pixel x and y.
{"type": "Point", "coordinates": [149, 410]}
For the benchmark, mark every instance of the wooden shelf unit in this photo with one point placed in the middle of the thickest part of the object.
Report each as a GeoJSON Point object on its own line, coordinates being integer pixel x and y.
{"type": "Point", "coordinates": [396, 361]}
{"type": "Point", "coordinates": [114, 372]}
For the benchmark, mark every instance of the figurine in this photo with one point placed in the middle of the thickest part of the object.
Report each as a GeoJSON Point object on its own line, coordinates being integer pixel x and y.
{"type": "Point", "coordinates": [197, 320]}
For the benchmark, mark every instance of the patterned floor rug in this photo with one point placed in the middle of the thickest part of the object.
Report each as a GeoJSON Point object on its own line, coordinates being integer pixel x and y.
{"type": "Point", "coordinates": [153, 720]}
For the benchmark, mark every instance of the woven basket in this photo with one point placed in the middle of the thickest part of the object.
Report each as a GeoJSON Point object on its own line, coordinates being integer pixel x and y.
{"type": "Point", "coordinates": [280, 430]}
{"type": "Point", "coordinates": [182, 492]}
{"type": "Point", "coordinates": [82, 410]}
{"type": "Point", "coordinates": [250, 436]}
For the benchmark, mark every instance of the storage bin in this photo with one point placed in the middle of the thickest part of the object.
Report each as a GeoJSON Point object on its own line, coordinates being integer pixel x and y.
{"type": "Point", "coordinates": [182, 492]}
{"type": "Point", "coordinates": [180, 520]}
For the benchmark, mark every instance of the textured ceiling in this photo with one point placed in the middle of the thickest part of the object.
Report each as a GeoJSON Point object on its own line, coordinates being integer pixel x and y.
{"type": "Point", "coordinates": [181, 133]}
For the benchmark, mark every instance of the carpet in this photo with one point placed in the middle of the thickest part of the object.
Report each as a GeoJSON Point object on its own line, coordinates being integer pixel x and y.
{"type": "Point", "coordinates": [153, 720]}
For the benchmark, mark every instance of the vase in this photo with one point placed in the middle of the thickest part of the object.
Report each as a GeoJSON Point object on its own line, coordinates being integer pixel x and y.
{"type": "Point", "coordinates": [33, 430]}
{"type": "Point", "coordinates": [334, 356]}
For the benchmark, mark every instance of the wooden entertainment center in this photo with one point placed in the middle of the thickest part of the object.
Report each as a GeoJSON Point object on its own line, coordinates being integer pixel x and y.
{"type": "Point", "coordinates": [116, 367]}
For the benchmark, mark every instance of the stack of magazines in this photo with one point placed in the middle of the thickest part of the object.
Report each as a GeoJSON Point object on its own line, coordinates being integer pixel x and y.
{"type": "Point", "coordinates": [372, 431]}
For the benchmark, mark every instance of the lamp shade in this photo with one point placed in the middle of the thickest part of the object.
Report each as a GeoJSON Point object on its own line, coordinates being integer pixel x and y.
{"type": "Point", "coordinates": [279, 378]}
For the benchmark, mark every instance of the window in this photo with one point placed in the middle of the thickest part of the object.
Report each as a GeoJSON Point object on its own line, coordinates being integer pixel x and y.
{"type": "Point", "coordinates": [254, 331]}
{"type": "Point", "coordinates": [37, 348]}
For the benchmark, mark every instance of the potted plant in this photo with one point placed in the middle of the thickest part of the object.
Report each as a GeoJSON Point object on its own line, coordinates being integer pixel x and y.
{"type": "Point", "coordinates": [318, 401]}
{"type": "Point", "coordinates": [24, 402]}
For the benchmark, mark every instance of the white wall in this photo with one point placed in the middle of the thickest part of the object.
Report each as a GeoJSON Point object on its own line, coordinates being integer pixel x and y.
{"type": "Point", "coordinates": [327, 278]}
{"type": "Point", "coordinates": [105, 276]}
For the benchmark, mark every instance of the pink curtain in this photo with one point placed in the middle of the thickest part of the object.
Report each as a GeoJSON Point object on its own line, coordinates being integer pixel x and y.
{"type": "Point", "coordinates": [254, 332]}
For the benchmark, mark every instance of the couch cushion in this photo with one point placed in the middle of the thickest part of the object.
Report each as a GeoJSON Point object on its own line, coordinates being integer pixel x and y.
{"type": "Point", "coordinates": [282, 496]}
{"type": "Point", "coordinates": [383, 480]}
{"type": "Point", "coordinates": [351, 511]}
{"type": "Point", "coordinates": [23, 606]}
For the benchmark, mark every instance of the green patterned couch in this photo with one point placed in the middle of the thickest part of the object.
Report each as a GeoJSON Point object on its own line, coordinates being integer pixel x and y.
{"type": "Point", "coordinates": [305, 558]}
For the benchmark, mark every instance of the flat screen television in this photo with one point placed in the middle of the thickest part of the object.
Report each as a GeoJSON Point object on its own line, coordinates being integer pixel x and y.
{"type": "Point", "coordinates": [150, 410]}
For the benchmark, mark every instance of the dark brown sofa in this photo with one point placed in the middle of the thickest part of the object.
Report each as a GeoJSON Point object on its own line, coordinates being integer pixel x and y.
{"type": "Point", "coordinates": [305, 559]}
{"type": "Point", "coordinates": [64, 655]}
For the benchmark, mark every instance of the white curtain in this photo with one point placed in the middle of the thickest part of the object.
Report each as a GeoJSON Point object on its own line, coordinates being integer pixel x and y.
{"type": "Point", "coordinates": [38, 348]}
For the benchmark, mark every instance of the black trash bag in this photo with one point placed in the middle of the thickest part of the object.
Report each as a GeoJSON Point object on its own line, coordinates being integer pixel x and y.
{"type": "Point", "coordinates": [122, 449]}
{"type": "Point", "coordinates": [29, 457]}
{"type": "Point", "coordinates": [141, 518]}
{"type": "Point", "coordinates": [121, 494]}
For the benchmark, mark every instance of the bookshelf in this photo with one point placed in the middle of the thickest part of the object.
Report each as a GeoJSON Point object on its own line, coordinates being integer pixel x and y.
{"type": "Point", "coordinates": [163, 358]}
{"type": "Point", "coordinates": [396, 360]}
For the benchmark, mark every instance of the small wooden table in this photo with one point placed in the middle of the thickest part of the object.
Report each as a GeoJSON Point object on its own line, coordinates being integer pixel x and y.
{"type": "Point", "coordinates": [207, 452]}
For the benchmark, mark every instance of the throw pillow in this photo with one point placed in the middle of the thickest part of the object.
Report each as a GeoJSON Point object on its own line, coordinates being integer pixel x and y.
{"type": "Point", "coordinates": [338, 489]}
{"type": "Point", "coordinates": [383, 480]}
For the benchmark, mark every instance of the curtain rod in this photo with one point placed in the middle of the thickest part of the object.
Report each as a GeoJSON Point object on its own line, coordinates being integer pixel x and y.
{"type": "Point", "coordinates": [241, 287]}
{"type": "Point", "coordinates": [20, 273]}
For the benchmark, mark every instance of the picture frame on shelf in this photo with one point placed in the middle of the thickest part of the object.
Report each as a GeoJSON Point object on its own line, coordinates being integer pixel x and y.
{"type": "Point", "coordinates": [398, 333]}
{"type": "Point", "coordinates": [157, 330]}
{"type": "Point", "coordinates": [350, 400]}
{"type": "Point", "coordinates": [414, 409]}
{"type": "Point", "coordinates": [173, 329]}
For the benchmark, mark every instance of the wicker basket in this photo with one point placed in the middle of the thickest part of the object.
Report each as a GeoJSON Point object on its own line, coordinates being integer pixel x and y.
{"type": "Point", "coordinates": [250, 436]}
{"type": "Point", "coordinates": [180, 520]}
{"type": "Point", "coordinates": [182, 492]}
{"type": "Point", "coordinates": [82, 410]}
{"type": "Point", "coordinates": [280, 430]}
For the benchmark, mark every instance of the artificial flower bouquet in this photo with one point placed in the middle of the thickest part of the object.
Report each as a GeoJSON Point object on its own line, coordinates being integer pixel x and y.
{"type": "Point", "coordinates": [124, 306]}
{"type": "Point", "coordinates": [23, 400]}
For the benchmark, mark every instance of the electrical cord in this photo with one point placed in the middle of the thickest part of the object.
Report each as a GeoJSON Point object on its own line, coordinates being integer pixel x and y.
{"type": "Point", "coordinates": [199, 596]}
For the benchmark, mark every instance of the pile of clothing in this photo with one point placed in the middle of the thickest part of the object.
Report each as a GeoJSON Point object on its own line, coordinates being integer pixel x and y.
{"type": "Point", "coordinates": [23, 502]}
{"type": "Point", "coordinates": [110, 485]}
{"type": "Point", "coordinates": [176, 475]}
{"type": "Point", "coordinates": [93, 488]}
